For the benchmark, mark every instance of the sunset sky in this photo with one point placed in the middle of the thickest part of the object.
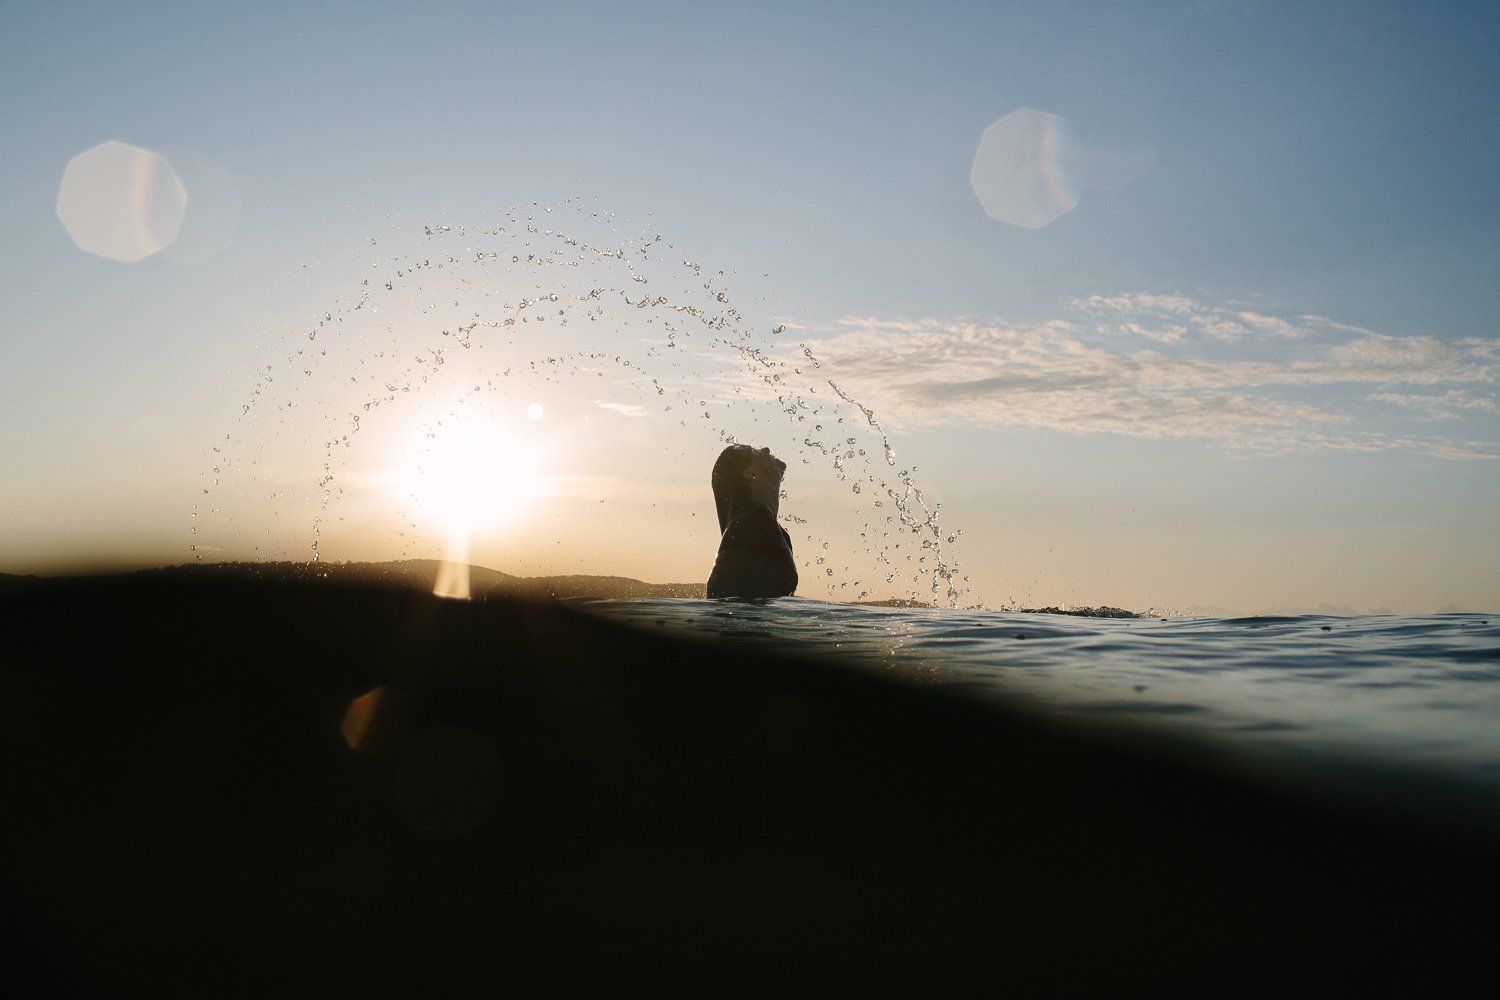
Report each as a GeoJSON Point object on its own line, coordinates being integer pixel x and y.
{"type": "Point", "coordinates": [1184, 306]}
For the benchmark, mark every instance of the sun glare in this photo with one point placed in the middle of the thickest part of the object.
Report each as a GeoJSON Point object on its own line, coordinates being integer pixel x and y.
{"type": "Point", "coordinates": [467, 474]}
{"type": "Point", "coordinates": [472, 473]}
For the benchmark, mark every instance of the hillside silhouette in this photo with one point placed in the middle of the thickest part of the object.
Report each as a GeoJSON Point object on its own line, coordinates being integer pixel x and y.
{"type": "Point", "coordinates": [484, 583]}
{"type": "Point", "coordinates": [419, 574]}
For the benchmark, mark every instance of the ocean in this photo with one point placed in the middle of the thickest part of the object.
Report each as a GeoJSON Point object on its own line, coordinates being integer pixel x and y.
{"type": "Point", "coordinates": [1393, 707]}
{"type": "Point", "coordinates": [354, 786]}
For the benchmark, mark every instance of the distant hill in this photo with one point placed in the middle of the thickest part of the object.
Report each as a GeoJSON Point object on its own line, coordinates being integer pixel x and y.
{"type": "Point", "coordinates": [420, 574]}
{"type": "Point", "coordinates": [1099, 612]}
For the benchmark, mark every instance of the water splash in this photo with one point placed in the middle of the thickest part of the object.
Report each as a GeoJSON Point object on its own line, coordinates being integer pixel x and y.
{"type": "Point", "coordinates": [500, 313]}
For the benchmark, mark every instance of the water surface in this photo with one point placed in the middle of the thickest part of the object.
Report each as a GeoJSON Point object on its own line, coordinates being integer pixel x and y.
{"type": "Point", "coordinates": [1415, 696]}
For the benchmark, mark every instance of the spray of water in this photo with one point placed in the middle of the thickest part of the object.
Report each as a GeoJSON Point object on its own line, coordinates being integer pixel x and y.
{"type": "Point", "coordinates": [486, 317]}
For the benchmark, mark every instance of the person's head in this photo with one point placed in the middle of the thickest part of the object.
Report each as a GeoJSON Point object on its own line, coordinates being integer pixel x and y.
{"type": "Point", "coordinates": [744, 474]}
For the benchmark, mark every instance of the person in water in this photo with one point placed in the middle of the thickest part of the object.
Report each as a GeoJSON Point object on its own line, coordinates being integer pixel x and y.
{"type": "Point", "coordinates": [755, 552]}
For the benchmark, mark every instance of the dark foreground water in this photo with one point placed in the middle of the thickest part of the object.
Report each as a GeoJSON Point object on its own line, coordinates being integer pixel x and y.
{"type": "Point", "coordinates": [300, 786]}
{"type": "Point", "coordinates": [1374, 696]}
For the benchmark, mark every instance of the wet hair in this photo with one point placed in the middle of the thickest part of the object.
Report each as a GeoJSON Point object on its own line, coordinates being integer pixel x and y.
{"type": "Point", "coordinates": [728, 479]}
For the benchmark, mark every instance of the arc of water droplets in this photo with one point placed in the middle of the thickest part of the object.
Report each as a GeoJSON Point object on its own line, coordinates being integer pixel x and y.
{"type": "Point", "coordinates": [308, 356]}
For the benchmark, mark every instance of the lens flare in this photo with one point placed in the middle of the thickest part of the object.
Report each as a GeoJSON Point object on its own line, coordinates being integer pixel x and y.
{"type": "Point", "coordinates": [1019, 172]}
{"type": "Point", "coordinates": [120, 201]}
{"type": "Point", "coordinates": [1031, 166]}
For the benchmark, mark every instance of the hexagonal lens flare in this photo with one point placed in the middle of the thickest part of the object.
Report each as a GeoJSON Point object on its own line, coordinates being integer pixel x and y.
{"type": "Point", "coordinates": [1019, 172]}
{"type": "Point", "coordinates": [120, 201]}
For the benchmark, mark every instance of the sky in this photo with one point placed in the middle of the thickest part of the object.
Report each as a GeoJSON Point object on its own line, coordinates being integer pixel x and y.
{"type": "Point", "coordinates": [1184, 307]}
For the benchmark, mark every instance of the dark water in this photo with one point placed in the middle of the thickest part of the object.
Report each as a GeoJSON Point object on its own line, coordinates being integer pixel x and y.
{"type": "Point", "coordinates": [1414, 695]}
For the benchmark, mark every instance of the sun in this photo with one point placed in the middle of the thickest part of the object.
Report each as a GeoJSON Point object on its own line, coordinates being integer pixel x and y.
{"type": "Point", "coordinates": [472, 472]}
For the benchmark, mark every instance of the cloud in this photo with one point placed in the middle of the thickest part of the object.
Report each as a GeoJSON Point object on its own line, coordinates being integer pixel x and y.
{"type": "Point", "coordinates": [1435, 406]}
{"type": "Point", "coordinates": [1174, 318]}
{"type": "Point", "coordinates": [1137, 302]}
{"type": "Point", "coordinates": [1270, 325]}
{"type": "Point", "coordinates": [1167, 367]}
{"type": "Point", "coordinates": [625, 409]}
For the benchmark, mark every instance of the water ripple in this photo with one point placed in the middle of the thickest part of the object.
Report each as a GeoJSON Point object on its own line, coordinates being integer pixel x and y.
{"type": "Point", "coordinates": [1416, 690]}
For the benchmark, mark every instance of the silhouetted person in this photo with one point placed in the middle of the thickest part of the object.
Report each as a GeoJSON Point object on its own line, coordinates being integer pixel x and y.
{"type": "Point", "coordinates": [755, 552]}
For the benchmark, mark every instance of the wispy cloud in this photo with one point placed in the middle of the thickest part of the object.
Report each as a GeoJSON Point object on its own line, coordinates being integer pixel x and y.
{"type": "Point", "coordinates": [1175, 318]}
{"type": "Point", "coordinates": [1166, 366]}
{"type": "Point", "coordinates": [1438, 406]}
{"type": "Point", "coordinates": [625, 409]}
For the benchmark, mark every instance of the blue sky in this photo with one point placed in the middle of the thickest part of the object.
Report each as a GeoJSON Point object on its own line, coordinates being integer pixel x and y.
{"type": "Point", "coordinates": [1255, 371]}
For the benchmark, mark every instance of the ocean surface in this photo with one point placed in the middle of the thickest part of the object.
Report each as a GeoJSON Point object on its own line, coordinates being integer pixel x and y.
{"type": "Point", "coordinates": [1365, 705]}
